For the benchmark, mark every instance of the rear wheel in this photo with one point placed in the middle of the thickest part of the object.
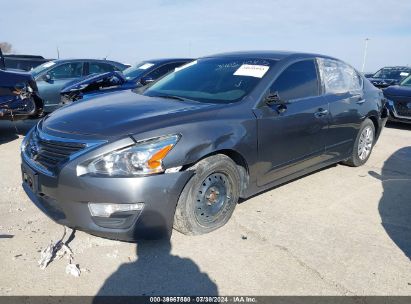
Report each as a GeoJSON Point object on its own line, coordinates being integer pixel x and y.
{"type": "Point", "coordinates": [363, 144]}
{"type": "Point", "coordinates": [209, 198]}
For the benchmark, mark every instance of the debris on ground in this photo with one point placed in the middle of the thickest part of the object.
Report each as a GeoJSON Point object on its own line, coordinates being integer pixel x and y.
{"type": "Point", "coordinates": [17, 256]}
{"type": "Point", "coordinates": [73, 269]}
{"type": "Point", "coordinates": [59, 249]}
{"type": "Point", "coordinates": [6, 236]}
{"type": "Point", "coordinates": [244, 237]}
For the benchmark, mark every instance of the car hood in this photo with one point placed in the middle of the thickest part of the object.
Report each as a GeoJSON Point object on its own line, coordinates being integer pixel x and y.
{"type": "Point", "coordinates": [119, 114]}
{"type": "Point", "coordinates": [93, 78]}
{"type": "Point", "coordinates": [400, 91]}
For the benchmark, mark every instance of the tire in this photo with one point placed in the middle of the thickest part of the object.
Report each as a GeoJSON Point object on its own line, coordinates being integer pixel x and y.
{"type": "Point", "coordinates": [363, 144]}
{"type": "Point", "coordinates": [210, 196]}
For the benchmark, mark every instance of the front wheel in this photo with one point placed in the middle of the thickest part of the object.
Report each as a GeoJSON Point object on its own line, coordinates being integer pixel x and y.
{"type": "Point", "coordinates": [209, 198]}
{"type": "Point", "coordinates": [363, 144]}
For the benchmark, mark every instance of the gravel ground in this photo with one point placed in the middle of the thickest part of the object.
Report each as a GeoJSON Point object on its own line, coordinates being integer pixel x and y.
{"type": "Point", "coordinates": [340, 231]}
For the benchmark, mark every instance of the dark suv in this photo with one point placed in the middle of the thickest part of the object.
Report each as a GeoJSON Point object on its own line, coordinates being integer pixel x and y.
{"type": "Point", "coordinates": [182, 153]}
{"type": "Point", "coordinates": [18, 94]}
{"type": "Point", "coordinates": [388, 76]}
{"type": "Point", "coordinates": [399, 101]}
{"type": "Point", "coordinates": [24, 62]}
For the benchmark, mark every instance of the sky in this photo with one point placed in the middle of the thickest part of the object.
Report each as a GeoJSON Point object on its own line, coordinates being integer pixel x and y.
{"type": "Point", "coordinates": [130, 31]}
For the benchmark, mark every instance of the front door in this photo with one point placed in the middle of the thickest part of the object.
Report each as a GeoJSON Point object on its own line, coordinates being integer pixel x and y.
{"type": "Point", "coordinates": [60, 76]}
{"type": "Point", "coordinates": [292, 132]}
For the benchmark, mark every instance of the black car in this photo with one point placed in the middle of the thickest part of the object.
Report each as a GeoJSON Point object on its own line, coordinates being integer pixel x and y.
{"type": "Point", "coordinates": [388, 76]}
{"type": "Point", "coordinates": [136, 76]}
{"type": "Point", "coordinates": [399, 101]}
{"type": "Point", "coordinates": [129, 166]}
{"type": "Point", "coordinates": [18, 95]}
{"type": "Point", "coordinates": [23, 62]}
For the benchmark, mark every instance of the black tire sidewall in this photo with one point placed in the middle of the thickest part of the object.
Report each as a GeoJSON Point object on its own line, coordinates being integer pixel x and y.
{"type": "Point", "coordinates": [187, 203]}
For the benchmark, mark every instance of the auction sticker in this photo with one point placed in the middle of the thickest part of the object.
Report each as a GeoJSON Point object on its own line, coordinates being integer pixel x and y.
{"type": "Point", "coordinates": [145, 66]}
{"type": "Point", "coordinates": [252, 70]}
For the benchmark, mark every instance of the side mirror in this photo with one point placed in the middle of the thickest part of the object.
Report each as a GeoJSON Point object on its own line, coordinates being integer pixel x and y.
{"type": "Point", "coordinates": [146, 80]}
{"type": "Point", "coordinates": [368, 75]}
{"type": "Point", "coordinates": [274, 98]}
{"type": "Point", "coordinates": [47, 78]}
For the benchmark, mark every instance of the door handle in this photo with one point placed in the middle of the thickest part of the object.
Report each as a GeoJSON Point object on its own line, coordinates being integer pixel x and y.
{"type": "Point", "coordinates": [321, 112]}
{"type": "Point", "coordinates": [361, 101]}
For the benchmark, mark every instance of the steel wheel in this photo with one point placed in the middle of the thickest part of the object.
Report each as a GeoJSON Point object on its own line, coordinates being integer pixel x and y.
{"type": "Point", "coordinates": [365, 143]}
{"type": "Point", "coordinates": [212, 198]}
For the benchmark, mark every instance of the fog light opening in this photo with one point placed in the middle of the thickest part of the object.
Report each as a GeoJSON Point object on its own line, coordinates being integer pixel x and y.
{"type": "Point", "coordinates": [106, 209]}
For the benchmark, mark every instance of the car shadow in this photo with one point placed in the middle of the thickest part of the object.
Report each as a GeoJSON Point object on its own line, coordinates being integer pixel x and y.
{"type": "Point", "coordinates": [395, 204]}
{"type": "Point", "coordinates": [10, 130]}
{"type": "Point", "coordinates": [157, 272]}
{"type": "Point", "coordinates": [398, 125]}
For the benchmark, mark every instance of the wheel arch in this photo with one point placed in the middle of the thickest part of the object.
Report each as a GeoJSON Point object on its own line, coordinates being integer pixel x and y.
{"type": "Point", "coordinates": [375, 122]}
{"type": "Point", "coordinates": [238, 159]}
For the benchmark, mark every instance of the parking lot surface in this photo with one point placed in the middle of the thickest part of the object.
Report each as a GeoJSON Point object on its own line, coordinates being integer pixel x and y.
{"type": "Point", "coordinates": [339, 231]}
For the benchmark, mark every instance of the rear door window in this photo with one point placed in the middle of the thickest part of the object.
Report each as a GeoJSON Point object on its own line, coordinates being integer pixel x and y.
{"type": "Point", "coordinates": [100, 67]}
{"type": "Point", "coordinates": [338, 77]}
{"type": "Point", "coordinates": [299, 80]}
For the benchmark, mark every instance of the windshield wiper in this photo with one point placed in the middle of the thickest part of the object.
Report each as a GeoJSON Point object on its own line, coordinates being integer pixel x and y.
{"type": "Point", "coordinates": [172, 97]}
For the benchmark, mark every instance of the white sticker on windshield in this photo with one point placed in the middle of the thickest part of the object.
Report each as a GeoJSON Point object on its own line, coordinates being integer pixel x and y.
{"type": "Point", "coordinates": [185, 66]}
{"type": "Point", "coordinates": [252, 70]}
{"type": "Point", "coordinates": [145, 66]}
{"type": "Point", "coordinates": [49, 64]}
{"type": "Point", "coordinates": [404, 74]}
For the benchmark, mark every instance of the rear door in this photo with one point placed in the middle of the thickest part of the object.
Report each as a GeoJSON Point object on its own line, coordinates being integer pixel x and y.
{"type": "Point", "coordinates": [291, 136]}
{"type": "Point", "coordinates": [344, 93]}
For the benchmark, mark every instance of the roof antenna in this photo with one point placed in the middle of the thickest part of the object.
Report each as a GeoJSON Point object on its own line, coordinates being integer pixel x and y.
{"type": "Point", "coordinates": [108, 53]}
{"type": "Point", "coordinates": [58, 52]}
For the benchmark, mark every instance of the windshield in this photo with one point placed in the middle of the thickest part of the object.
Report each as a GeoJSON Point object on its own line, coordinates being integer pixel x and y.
{"type": "Point", "coordinates": [213, 80]}
{"type": "Point", "coordinates": [406, 81]}
{"type": "Point", "coordinates": [392, 73]}
{"type": "Point", "coordinates": [39, 69]}
{"type": "Point", "coordinates": [137, 70]}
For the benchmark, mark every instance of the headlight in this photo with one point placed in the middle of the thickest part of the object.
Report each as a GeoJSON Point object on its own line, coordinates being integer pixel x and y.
{"type": "Point", "coordinates": [145, 157]}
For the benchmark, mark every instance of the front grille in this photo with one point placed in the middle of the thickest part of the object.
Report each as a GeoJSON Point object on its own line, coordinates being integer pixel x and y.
{"type": "Point", "coordinates": [49, 154]}
{"type": "Point", "coordinates": [402, 108]}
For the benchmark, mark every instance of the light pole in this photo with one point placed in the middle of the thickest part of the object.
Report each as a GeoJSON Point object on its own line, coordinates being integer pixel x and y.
{"type": "Point", "coordinates": [365, 54]}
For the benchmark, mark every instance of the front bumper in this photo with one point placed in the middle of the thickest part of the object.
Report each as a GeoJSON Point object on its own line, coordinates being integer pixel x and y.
{"type": "Point", "coordinates": [65, 197]}
{"type": "Point", "coordinates": [394, 115]}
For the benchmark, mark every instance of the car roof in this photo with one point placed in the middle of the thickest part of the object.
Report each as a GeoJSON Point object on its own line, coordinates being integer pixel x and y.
{"type": "Point", "coordinates": [23, 56]}
{"type": "Point", "coordinates": [85, 59]}
{"type": "Point", "coordinates": [164, 60]}
{"type": "Point", "coordinates": [397, 68]}
{"type": "Point", "coordinates": [271, 55]}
